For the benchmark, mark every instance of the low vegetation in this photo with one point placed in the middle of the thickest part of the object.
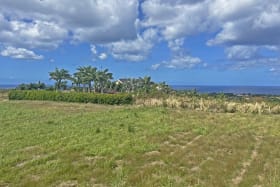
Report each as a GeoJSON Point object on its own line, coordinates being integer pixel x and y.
{"type": "Point", "coordinates": [214, 103]}
{"type": "Point", "coordinates": [112, 99]}
{"type": "Point", "coordinates": [46, 143]}
{"type": "Point", "coordinates": [198, 102]}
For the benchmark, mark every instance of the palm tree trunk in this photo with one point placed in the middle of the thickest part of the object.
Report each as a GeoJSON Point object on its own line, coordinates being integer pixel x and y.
{"type": "Point", "coordinates": [89, 87]}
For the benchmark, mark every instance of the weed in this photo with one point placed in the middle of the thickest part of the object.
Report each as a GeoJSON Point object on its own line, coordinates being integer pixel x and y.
{"type": "Point", "coordinates": [97, 130]}
{"type": "Point", "coordinates": [131, 129]}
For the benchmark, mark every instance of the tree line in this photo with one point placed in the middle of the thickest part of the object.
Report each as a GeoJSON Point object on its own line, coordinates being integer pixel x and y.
{"type": "Point", "coordinates": [90, 79]}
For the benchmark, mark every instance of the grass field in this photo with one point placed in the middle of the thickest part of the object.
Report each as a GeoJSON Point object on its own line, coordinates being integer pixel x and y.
{"type": "Point", "coordinates": [65, 144]}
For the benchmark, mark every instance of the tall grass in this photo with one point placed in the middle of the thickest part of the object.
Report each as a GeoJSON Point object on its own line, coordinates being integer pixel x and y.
{"type": "Point", "coordinates": [211, 104]}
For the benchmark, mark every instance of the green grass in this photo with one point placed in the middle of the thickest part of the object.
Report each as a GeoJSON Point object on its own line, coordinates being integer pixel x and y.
{"type": "Point", "coordinates": [66, 144]}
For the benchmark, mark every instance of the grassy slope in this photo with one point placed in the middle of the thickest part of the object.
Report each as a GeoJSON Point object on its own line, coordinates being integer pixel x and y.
{"type": "Point", "coordinates": [47, 143]}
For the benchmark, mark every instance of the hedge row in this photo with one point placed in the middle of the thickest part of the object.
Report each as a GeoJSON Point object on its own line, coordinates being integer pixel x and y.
{"type": "Point", "coordinates": [112, 99]}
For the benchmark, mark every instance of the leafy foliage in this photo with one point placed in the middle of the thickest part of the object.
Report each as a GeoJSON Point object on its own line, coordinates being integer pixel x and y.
{"type": "Point", "coordinates": [111, 99]}
{"type": "Point", "coordinates": [141, 85]}
{"type": "Point", "coordinates": [60, 76]}
{"type": "Point", "coordinates": [88, 79]}
{"type": "Point", "coordinates": [32, 86]}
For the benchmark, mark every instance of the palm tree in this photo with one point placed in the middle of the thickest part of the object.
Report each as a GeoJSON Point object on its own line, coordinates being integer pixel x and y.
{"type": "Point", "coordinates": [77, 80]}
{"type": "Point", "coordinates": [86, 75]}
{"type": "Point", "coordinates": [146, 84]}
{"type": "Point", "coordinates": [60, 76]}
{"type": "Point", "coordinates": [102, 79]}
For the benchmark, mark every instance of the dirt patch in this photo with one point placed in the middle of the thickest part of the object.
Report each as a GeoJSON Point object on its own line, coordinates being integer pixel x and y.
{"type": "Point", "coordinates": [195, 139]}
{"type": "Point", "coordinates": [31, 148]}
{"type": "Point", "coordinates": [152, 153]}
{"type": "Point", "coordinates": [93, 183]}
{"type": "Point", "coordinates": [71, 183]}
{"type": "Point", "coordinates": [34, 158]}
{"type": "Point", "coordinates": [35, 177]}
{"type": "Point", "coordinates": [94, 159]}
{"type": "Point", "coordinates": [154, 163]}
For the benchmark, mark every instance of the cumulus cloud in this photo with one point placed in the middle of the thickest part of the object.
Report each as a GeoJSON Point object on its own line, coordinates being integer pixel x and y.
{"type": "Point", "coordinates": [179, 62]}
{"type": "Point", "coordinates": [269, 62]}
{"type": "Point", "coordinates": [176, 19]}
{"type": "Point", "coordinates": [98, 21]}
{"type": "Point", "coordinates": [225, 10]}
{"type": "Point", "coordinates": [33, 34]}
{"type": "Point", "coordinates": [245, 57]}
{"type": "Point", "coordinates": [182, 62]}
{"type": "Point", "coordinates": [96, 54]}
{"type": "Point", "coordinates": [176, 45]}
{"type": "Point", "coordinates": [102, 56]}
{"type": "Point", "coordinates": [47, 24]}
{"type": "Point", "coordinates": [241, 27]}
{"type": "Point", "coordinates": [238, 52]}
{"type": "Point", "coordinates": [134, 50]}
{"type": "Point", "coordinates": [250, 22]}
{"type": "Point", "coordinates": [93, 49]}
{"type": "Point", "coordinates": [20, 53]}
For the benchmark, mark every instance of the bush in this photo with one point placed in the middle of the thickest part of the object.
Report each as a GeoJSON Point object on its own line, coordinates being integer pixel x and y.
{"type": "Point", "coordinates": [111, 99]}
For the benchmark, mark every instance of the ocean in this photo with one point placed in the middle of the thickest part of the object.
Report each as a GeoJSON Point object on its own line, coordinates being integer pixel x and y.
{"type": "Point", "coordinates": [262, 90]}
{"type": "Point", "coordinates": [7, 86]}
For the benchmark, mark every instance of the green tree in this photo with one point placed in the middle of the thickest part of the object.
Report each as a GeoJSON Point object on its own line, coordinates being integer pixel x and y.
{"type": "Point", "coordinates": [147, 84]}
{"type": "Point", "coordinates": [163, 87]}
{"type": "Point", "coordinates": [86, 75]}
{"type": "Point", "coordinates": [76, 81]}
{"type": "Point", "coordinates": [60, 76]}
{"type": "Point", "coordinates": [103, 79]}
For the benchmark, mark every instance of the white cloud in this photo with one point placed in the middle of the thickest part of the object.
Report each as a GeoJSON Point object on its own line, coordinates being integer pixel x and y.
{"type": "Point", "coordinates": [176, 19]}
{"type": "Point", "coordinates": [245, 57]}
{"type": "Point", "coordinates": [242, 27]}
{"type": "Point", "coordinates": [183, 62]}
{"type": "Point", "coordinates": [134, 50]}
{"type": "Point", "coordinates": [224, 10]}
{"type": "Point", "coordinates": [35, 34]}
{"type": "Point", "coordinates": [179, 62]}
{"type": "Point", "coordinates": [130, 57]}
{"type": "Point", "coordinates": [155, 66]}
{"type": "Point", "coordinates": [20, 53]}
{"type": "Point", "coordinates": [256, 23]}
{"type": "Point", "coordinates": [102, 56]}
{"type": "Point", "coordinates": [176, 45]}
{"type": "Point", "coordinates": [47, 23]}
{"type": "Point", "coordinates": [255, 63]}
{"type": "Point", "coordinates": [93, 49]}
{"type": "Point", "coordinates": [96, 54]}
{"type": "Point", "coordinates": [238, 52]}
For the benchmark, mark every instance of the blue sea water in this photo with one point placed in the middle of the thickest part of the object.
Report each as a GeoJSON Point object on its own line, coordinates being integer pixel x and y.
{"type": "Point", "coordinates": [7, 86]}
{"type": "Point", "coordinates": [262, 90]}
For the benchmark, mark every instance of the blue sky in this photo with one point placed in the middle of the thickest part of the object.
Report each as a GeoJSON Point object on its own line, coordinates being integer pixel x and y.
{"type": "Point", "coordinates": [191, 42]}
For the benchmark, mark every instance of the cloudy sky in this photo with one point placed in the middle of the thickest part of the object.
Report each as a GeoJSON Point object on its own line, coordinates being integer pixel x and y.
{"type": "Point", "coordinates": [193, 42]}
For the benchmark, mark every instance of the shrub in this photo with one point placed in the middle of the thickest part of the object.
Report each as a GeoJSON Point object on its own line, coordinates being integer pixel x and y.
{"type": "Point", "coordinates": [112, 99]}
